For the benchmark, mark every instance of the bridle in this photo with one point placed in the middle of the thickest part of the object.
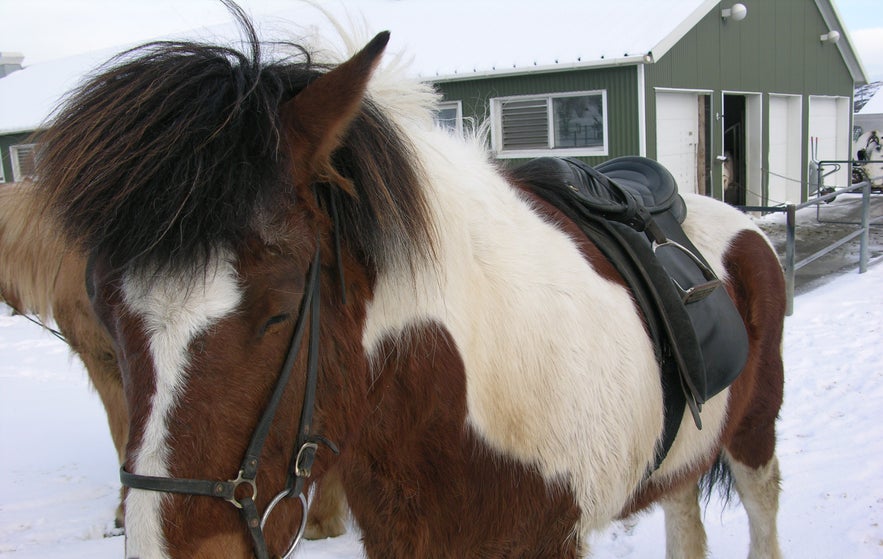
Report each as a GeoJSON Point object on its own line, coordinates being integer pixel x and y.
{"type": "Point", "coordinates": [305, 447]}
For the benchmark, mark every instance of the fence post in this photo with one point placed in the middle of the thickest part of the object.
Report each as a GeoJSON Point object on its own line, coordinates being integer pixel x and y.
{"type": "Point", "coordinates": [866, 219]}
{"type": "Point", "coordinates": [789, 258]}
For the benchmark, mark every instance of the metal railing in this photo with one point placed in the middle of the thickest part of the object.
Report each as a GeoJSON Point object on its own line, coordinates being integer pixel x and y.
{"type": "Point", "coordinates": [789, 266]}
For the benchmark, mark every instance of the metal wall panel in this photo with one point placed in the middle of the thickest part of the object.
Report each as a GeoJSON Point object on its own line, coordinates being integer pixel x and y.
{"type": "Point", "coordinates": [620, 84]}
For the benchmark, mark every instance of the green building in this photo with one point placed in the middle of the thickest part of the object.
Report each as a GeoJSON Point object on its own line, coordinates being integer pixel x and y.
{"type": "Point", "coordinates": [736, 99]}
{"type": "Point", "coordinates": [728, 98]}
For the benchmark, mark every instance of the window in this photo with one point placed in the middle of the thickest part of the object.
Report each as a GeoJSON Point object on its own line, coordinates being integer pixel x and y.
{"type": "Point", "coordinates": [450, 117]}
{"type": "Point", "coordinates": [23, 161]}
{"type": "Point", "coordinates": [565, 124]}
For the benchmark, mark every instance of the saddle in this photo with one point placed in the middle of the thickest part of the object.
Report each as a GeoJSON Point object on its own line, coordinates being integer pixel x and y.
{"type": "Point", "coordinates": [630, 208]}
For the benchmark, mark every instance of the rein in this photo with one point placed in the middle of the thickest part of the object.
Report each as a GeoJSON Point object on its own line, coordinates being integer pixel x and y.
{"type": "Point", "coordinates": [303, 453]}
{"type": "Point", "coordinates": [38, 322]}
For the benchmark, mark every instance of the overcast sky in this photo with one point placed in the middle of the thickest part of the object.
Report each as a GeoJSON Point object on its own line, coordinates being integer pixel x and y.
{"type": "Point", "coordinates": [47, 29]}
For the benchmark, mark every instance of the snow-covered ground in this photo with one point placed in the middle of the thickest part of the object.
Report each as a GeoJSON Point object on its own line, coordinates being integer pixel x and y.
{"type": "Point", "coordinates": [58, 478]}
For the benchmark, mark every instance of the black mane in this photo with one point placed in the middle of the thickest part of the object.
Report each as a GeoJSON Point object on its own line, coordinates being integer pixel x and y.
{"type": "Point", "coordinates": [175, 148]}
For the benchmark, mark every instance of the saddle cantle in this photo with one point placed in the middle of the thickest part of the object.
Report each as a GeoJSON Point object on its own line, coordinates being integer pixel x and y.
{"type": "Point", "coordinates": [630, 208]}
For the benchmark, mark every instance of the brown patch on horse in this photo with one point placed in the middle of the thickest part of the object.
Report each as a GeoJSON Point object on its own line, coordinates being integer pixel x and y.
{"type": "Point", "coordinates": [414, 463]}
{"type": "Point", "coordinates": [757, 395]}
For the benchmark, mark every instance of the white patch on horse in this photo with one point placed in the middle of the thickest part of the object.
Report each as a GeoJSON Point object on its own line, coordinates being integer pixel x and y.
{"type": "Point", "coordinates": [174, 311]}
{"type": "Point", "coordinates": [560, 373]}
{"type": "Point", "coordinates": [555, 355]}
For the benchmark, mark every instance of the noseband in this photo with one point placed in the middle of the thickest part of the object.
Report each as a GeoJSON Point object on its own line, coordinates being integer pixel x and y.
{"type": "Point", "coordinates": [305, 447]}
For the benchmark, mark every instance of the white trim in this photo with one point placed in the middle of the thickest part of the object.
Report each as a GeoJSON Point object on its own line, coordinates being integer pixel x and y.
{"type": "Point", "coordinates": [532, 70]}
{"type": "Point", "coordinates": [642, 113]}
{"type": "Point", "coordinates": [683, 90]}
{"type": "Point", "coordinates": [684, 27]}
{"type": "Point", "coordinates": [831, 17]}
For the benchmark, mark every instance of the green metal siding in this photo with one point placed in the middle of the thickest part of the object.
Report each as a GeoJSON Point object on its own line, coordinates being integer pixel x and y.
{"type": "Point", "coordinates": [776, 49]}
{"type": "Point", "coordinates": [619, 83]}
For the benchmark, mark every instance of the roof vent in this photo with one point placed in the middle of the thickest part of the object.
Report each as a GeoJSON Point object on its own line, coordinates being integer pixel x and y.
{"type": "Point", "coordinates": [10, 62]}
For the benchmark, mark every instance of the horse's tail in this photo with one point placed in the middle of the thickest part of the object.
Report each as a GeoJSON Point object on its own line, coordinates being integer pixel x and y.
{"type": "Point", "coordinates": [31, 251]}
{"type": "Point", "coordinates": [717, 479]}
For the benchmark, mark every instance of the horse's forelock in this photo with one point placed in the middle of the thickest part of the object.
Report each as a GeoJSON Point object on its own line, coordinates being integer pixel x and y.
{"type": "Point", "coordinates": [178, 149]}
{"type": "Point", "coordinates": [170, 153]}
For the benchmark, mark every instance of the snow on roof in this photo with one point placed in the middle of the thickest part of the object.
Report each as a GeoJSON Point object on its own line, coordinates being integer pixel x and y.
{"type": "Point", "coordinates": [442, 40]}
{"type": "Point", "coordinates": [874, 106]}
{"type": "Point", "coordinates": [27, 96]}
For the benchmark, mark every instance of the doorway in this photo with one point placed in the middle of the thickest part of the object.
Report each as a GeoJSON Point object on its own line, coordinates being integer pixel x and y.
{"type": "Point", "coordinates": [734, 172]}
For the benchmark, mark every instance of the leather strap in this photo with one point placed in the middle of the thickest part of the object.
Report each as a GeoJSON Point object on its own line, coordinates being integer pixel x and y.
{"type": "Point", "coordinates": [304, 450]}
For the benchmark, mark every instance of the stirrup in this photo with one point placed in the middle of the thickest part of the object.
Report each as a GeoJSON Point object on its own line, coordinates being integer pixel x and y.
{"type": "Point", "coordinates": [699, 291]}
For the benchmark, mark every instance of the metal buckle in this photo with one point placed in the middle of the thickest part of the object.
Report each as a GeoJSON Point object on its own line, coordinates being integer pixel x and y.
{"type": "Point", "coordinates": [236, 483]}
{"type": "Point", "coordinates": [306, 453]}
{"type": "Point", "coordinates": [699, 291]}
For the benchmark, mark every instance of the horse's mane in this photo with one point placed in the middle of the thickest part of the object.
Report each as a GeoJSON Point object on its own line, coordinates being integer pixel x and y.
{"type": "Point", "coordinates": [176, 147]}
{"type": "Point", "coordinates": [31, 251]}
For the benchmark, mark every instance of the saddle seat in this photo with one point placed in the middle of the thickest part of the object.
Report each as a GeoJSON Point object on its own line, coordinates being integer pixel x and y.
{"type": "Point", "coordinates": [630, 208]}
{"type": "Point", "coordinates": [651, 185]}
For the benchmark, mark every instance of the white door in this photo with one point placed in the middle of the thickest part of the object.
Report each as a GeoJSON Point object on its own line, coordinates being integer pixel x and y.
{"type": "Point", "coordinates": [785, 137]}
{"type": "Point", "coordinates": [829, 129]}
{"type": "Point", "coordinates": [677, 136]}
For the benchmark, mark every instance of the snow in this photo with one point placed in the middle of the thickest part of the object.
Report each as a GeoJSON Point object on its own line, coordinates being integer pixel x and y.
{"type": "Point", "coordinates": [494, 38]}
{"type": "Point", "coordinates": [58, 488]}
{"type": "Point", "coordinates": [875, 105]}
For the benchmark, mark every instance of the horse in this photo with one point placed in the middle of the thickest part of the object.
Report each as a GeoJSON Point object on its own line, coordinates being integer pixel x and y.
{"type": "Point", "coordinates": [301, 274]}
{"type": "Point", "coordinates": [42, 274]}
{"type": "Point", "coordinates": [869, 151]}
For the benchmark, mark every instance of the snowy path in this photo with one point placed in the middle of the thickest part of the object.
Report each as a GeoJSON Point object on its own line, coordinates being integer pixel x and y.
{"type": "Point", "coordinates": [58, 479]}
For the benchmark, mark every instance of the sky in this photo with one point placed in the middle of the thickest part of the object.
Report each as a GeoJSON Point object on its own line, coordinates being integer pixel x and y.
{"type": "Point", "coordinates": [48, 29]}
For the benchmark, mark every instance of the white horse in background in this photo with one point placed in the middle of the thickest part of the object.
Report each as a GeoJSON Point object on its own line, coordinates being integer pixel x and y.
{"type": "Point", "coordinates": [869, 150]}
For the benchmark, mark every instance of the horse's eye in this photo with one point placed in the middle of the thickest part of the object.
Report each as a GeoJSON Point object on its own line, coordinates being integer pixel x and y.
{"type": "Point", "coordinates": [275, 321]}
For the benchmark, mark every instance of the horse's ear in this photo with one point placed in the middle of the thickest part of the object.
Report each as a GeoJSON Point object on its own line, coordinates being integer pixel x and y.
{"type": "Point", "coordinates": [317, 117]}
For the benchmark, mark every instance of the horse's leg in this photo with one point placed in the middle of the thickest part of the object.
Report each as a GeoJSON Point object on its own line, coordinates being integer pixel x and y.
{"type": "Point", "coordinates": [105, 377]}
{"type": "Point", "coordinates": [684, 533]}
{"type": "Point", "coordinates": [327, 516]}
{"type": "Point", "coordinates": [758, 489]}
{"type": "Point", "coordinates": [88, 340]}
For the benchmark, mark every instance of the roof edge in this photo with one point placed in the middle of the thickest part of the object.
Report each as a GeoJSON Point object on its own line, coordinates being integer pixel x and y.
{"type": "Point", "coordinates": [532, 70]}
{"type": "Point", "coordinates": [834, 22]}
{"type": "Point", "coordinates": [684, 27]}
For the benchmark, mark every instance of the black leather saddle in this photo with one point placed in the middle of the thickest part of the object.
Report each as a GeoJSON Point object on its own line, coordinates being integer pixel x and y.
{"type": "Point", "coordinates": [630, 208]}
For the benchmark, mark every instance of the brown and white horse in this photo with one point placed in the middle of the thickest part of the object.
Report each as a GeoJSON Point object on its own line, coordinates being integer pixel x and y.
{"type": "Point", "coordinates": [482, 369]}
{"type": "Point", "coordinates": [42, 274]}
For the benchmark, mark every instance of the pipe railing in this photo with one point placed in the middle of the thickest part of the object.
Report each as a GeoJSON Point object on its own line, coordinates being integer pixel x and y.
{"type": "Point", "coordinates": [790, 267]}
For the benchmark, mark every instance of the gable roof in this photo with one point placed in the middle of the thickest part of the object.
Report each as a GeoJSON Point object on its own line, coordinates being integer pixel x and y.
{"type": "Point", "coordinates": [444, 41]}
